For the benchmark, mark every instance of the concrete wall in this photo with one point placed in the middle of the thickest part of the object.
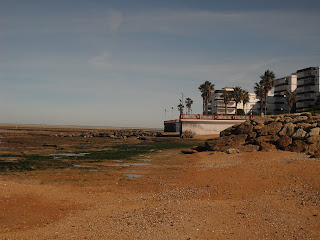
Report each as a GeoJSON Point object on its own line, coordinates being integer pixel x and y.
{"type": "Point", "coordinates": [207, 127]}
{"type": "Point", "coordinates": [172, 126]}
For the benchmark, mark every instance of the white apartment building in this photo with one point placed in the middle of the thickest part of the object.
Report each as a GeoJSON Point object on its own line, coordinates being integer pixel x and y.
{"type": "Point", "coordinates": [217, 104]}
{"type": "Point", "coordinates": [283, 85]}
{"type": "Point", "coordinates": [308, 88]}
{"type": "Point", "coordinates": [270, 104]}
{"type": "Point", "coordinates": [253, 106]}
{"type": "Point", "coordinates": [305, 83]}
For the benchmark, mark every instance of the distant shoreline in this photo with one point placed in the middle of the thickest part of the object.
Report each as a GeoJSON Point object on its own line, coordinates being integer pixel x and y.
{"type": "Point", "coordinates": [14, 125]}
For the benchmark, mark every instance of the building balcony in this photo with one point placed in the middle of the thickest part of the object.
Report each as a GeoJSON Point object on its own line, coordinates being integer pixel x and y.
{"type": "Point", "coordinates": [306, 101]}
{"type": "Point", "coordinates": [276, 91]}
{"type": "Point", "coordinates": [282, 84]}
{"type": "Point", "coordinates": [306, 82]}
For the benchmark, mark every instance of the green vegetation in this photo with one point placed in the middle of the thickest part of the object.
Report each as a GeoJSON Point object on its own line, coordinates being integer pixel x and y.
{"type": "Point", "coordinates": [291, 99]}
{"type": "Point", "coordinates": [180, 107]}
{"type": "Point", "coordinates": [127, 151]}
{"type": "Point", "coordinates": [239, 95]}
{"type": "Point", "coordinates": [29, 163]}
{"type": "Point", "coordinates": [227, 97]}
{"type": "Point", "coordinates": [262, 88]}
{"type": "Point", "coordinates": [189, 102]}
{"type": "Point", "coordinates": [206, 90]}
{"type": "Point", "coordinates": [118, 152]}
{"type": "Point", "coordinates": [316, 107]}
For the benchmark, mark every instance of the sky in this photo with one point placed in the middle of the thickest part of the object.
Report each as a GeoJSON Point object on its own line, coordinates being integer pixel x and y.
{"type": "Point", "coordinates": [127, 63]}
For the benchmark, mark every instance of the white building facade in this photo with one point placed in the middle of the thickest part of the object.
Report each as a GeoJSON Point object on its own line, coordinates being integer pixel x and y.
{"type": "Point", "coordinates": [283, 85]}
{"type": "Point", "coordinates": [217, 103]}
{"type": "Point", "coordinates": [218, 106]}
{"type": "Point", "coordinates": [304, 83]}
{"type": "Point", "coordinates": [252, 106]}
{"type": "Point", "coordinates": [308, 88]}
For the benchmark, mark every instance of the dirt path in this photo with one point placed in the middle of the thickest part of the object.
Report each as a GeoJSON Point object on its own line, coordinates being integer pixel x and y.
{"type": "Point", "coordinates": [206, 195]}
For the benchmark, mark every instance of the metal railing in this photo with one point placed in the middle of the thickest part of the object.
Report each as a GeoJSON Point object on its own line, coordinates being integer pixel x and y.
{"type": "Point", "coordinates": [216, 116]}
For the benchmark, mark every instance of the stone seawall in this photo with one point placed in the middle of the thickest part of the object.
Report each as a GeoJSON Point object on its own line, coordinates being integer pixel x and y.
{"type": "Point", "coordinates": [290, 132]}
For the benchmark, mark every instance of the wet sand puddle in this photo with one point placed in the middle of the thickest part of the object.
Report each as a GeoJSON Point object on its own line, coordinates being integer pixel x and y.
{"type": "Point", "coordinates": [133, 175]}
{"type": "Point", "coordinates": [93, 168]}
{"type": "Point", "coordinates": [146, 158]}
{"type": "Point", "coordinates": [60, 155]}
{"type": "Point", "coordinates": [143, 161]}
{"type": "Point", "coordinates": [81, 166]}
{"type": "Point", "coordinates": [8, 159]}
{"type": "Point", "coordinates": [125, 164]}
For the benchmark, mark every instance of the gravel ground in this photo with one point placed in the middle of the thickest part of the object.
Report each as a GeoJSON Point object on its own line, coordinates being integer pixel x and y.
{"type": "Point", "coordinates": [269, 195]}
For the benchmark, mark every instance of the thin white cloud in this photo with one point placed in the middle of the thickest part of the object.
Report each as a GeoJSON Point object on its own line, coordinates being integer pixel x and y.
{"type": "Point", "coordinates": [284, 24]}
{"type": "Point", "coordinates": [231, 73]}
{"type": "Point", "coordinates": [101, 61]}
{"type": "Point", "coordinates": [114, 19]}
{"type": "Point", "coordinates": [178, 22]}
{"type": "Point", "coordinates": [149, 78]}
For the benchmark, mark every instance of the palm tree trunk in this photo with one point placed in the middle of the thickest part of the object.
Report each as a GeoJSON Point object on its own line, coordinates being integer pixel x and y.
{"type": "Point", "coordinates": [203, 106]}
{"type": "Point", "coordinates": [225, 109]}
{"type": "Point", "coordinates": [207, 106]}
{"type": "Point", "coordinates": [236, 108]}
{"type": "Point", "coordinates": [265, 106]}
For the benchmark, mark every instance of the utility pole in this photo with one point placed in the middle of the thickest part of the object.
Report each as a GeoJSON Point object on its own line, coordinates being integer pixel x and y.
{"type": "Point", "coordinates": [165, 114]}
{"type": "Point", "coordinates": [172, 113]}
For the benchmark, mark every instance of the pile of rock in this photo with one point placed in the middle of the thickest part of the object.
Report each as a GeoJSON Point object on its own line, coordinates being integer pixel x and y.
{"type": "Point", "coordinates": [290, 132]}
{"type": "Point", "coordinates": [115, 134]}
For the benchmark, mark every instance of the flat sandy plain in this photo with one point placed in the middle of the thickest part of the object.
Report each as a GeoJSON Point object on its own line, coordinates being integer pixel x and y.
{"type": "Point", "coordinates": [206, 195]}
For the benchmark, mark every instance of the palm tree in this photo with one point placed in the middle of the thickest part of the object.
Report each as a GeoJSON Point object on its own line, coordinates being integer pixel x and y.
{"type": "Point", "coordinates": [237, 95]}
{"type": "Point", "coordinates": [189, 102]}
{"type": "Point", "coordinates": [245, 98]}
{"type": "Point", "coordinates": [227, 97]}
{"type": "Point", "coordinates": [291, 99]}
{"type": "Point", "coordinates": [180, 108]}
{"type": "Point", "coordinates": [259, 91]}
{"type": "Point", "coordinates": [206, 90]}
{"type": "Point", "coordinates": [268, 81]}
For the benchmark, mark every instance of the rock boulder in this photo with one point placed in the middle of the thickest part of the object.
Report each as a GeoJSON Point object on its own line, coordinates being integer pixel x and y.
{"type": "Point", "coordinates": [292, 132]}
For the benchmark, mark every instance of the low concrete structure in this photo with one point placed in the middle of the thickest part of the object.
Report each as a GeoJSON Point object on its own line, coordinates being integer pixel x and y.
{"type": "Point", "coordinates": [207, 127]}
{"type": "Point", "coordinates": [203, 124]}
{"type": "Point", "coordinates": [172, 125]}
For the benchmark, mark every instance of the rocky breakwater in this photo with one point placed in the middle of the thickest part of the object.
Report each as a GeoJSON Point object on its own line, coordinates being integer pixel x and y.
{"type": "Point", "coordinates": [114, 133]}
{"type": "Point", "coordinates": [290, 132]}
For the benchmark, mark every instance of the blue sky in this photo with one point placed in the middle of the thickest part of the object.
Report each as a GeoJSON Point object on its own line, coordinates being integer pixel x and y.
{"type": "Point", "coordinates": [122, 63]}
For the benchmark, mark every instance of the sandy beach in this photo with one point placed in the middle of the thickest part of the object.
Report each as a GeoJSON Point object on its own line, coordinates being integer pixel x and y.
{"type": "Point", "coordinates": [167, 195]}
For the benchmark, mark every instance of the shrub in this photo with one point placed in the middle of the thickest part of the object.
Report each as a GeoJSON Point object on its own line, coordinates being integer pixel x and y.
{"type": "Point", "coordinates": [187, 134]}
{"type": "Point", "coordinates": [240, 112]}
{"type": "Point", "coordinates": [316, 107]}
